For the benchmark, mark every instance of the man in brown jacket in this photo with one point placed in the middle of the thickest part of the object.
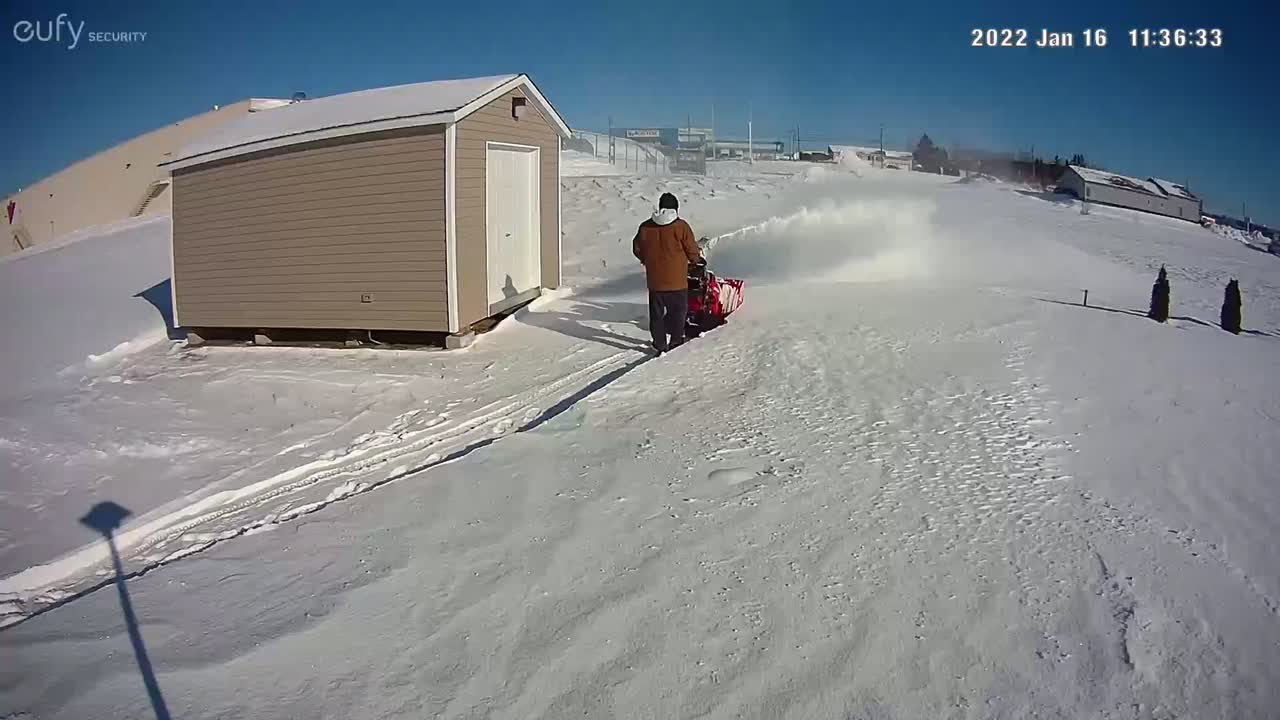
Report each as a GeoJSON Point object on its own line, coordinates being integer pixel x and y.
{"type": "Point", "coordinates": [665, 245]}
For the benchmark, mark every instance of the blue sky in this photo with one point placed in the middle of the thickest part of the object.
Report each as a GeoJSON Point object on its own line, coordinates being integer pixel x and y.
{"type": "Point", "coordinates": [838, 70]}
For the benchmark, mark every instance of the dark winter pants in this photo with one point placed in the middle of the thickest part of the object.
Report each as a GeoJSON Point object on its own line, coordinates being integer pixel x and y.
{"type": "Point", "coordinates": [667, 311]}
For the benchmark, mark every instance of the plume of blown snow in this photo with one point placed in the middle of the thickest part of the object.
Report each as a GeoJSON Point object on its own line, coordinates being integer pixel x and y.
{"type": "Point", "coordinates": [859, 240]}
{"type": "Point", "coordinates": [850, 162]}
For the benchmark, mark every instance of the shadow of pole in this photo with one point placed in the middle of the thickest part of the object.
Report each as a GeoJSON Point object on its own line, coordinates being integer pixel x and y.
{"type": "Point", "coordinates": [1139, 313]}
{"type": "Point", "coordinates": [105, 517]}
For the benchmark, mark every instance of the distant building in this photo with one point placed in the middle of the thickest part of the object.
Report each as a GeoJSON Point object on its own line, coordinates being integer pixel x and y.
{"type": "Point", "coordinates": [896, 160]}
{"type": "Point", "coordinates": [815, 156]}
{"type": "Point", "coordinates": [891, 159]}
{"type": "Point", "coordinates": [1152, 195]}
{"type": "Point", "coordinates": [987, 162]}
{"type": "Point", "coordinates": [760, 149]}
{"type": "Point", "coordinates": [694, 136]}
{"type": "Point", "coordinates": [670, 137]}
{"type": "Point", "coordinates": [116, 184]}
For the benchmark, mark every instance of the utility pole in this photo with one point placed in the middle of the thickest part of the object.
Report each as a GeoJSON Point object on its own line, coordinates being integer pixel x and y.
{"type": "Point", "coordinates": [751, 155]}
{"type": "Point", "coordinates": [1244, 210]}
{"type": "Point", "coordinates": [612, 156]}
{"type": "Point", "coordinates": [713, 129]}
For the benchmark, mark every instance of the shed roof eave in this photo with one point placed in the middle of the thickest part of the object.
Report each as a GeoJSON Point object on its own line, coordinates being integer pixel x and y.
{"type": "Point", "coordinates": [310, 136]}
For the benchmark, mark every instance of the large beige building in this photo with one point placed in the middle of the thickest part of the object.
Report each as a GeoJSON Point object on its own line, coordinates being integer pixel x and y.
{"type": "Point", "coordinates": [113, 185]}
{"type": "Point", "coordinates": [423, 207]}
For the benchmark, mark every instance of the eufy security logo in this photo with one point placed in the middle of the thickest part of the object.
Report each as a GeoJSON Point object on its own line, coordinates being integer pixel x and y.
{"type": "Point", "coordinates": [69, 33]}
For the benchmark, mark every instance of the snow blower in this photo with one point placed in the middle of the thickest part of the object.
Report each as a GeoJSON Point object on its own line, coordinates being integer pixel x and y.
{"type": "Point", "coordinates": [711, 299]}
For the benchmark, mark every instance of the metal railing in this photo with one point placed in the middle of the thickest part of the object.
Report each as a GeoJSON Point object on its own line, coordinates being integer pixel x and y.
{"type": "Point", "coordinates": [640, 158]}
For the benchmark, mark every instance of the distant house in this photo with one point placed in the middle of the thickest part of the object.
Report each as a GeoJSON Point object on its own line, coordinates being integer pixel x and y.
{"type": "Point", "coordinates": [874, 156]}
{"type": "Point", "coordinates": [758, 149]}
{"type": "Point", "coordinates": [1152, 195]}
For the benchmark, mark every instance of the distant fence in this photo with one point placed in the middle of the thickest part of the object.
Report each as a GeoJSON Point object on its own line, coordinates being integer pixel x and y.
{"type": "Point", "coordinates": [641, 158]}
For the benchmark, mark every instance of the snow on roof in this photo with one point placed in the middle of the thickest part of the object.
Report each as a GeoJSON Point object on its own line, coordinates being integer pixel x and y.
{"type": "Point", "coordinates": [1150, 186]}
{"type": "Point", "coordinates": [1174, 189]}
{"type": "Point", "coordinates": [869, 151]}
{"type": "Point", "coordinates": [853, 148]}
{"type": "Point", "coordinates": [411, 105]}
{"type": "Point", "coordinates": [259, 104]}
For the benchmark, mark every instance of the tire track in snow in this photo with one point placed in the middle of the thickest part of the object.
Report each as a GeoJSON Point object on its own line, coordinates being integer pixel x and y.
{"type": "Point", "coordinates": [82, 572]}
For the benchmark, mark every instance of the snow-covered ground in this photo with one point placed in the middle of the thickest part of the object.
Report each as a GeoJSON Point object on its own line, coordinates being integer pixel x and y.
{"type": "Point", "coordinates": [1255, 239]}
{"type": "Point", "coordinates": [228, 438]}
{"type": "Point", "coordinates": [574, 163]}
{"type": "Point", "coordinates": [52, 302]}
{"type": "Point", "coordinates": [913, 477]}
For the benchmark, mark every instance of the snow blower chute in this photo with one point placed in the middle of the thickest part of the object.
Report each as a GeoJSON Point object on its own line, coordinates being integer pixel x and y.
{"type": "Point", "coordinates": [711, 299]}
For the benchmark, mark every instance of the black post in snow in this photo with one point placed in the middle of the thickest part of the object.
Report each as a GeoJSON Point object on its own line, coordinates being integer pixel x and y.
{"type": "Point", "coordinates": [1231, 302]}
{"type": "Point", "coordinates": [1159, 310]}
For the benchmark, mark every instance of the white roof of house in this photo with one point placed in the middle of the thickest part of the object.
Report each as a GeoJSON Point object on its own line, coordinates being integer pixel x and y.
{"type": "Point", "coordinates": [1151, 186]}
{"type": "Point", "coordinates": [428, 103]}
{"type": "Point", "coordinates": [852, 148]}
{"type": "Point", "coordinates": [896, 154]}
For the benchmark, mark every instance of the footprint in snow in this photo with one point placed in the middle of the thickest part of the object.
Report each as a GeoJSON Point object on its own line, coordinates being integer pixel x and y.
{"type": "Point", "coordinates": [731, 476]}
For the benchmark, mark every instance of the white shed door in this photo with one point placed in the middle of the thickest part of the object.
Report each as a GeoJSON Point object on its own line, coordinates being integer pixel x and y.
{"type": "Point", "coordinates": [514, 221]}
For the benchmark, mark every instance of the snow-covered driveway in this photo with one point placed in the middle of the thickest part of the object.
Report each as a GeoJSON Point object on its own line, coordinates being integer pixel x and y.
{"type": "Point", "coordinates": [866, 496]}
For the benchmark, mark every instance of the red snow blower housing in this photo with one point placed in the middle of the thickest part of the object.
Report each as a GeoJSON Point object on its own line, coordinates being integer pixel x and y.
{"type": "Point", "coordinates": [711, 299]}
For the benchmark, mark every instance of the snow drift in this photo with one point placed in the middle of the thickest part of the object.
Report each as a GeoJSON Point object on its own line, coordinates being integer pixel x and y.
{"type": "Point", "coordinates": [83, 303]}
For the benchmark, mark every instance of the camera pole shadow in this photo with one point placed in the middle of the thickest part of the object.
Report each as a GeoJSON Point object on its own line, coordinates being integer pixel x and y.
{"type": "Point", "coordinates": [106, 517]}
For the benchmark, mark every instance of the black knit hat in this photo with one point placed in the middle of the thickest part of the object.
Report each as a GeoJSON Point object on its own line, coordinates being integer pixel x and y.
{"type": "Point", "coordinates": [668, 202]}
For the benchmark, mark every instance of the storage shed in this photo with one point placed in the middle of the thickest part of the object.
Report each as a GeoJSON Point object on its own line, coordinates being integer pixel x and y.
{"type": "Point", "coordinates": [424, 207]}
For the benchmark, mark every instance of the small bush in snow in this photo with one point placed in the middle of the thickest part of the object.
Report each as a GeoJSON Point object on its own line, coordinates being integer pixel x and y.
{"type": "Point", "coordinates": [1231, 308]}
{"type": "Point", "coordinates": [1160, 298]}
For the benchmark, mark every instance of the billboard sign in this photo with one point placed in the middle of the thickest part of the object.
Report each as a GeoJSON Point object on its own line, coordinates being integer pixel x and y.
{"type": "Point", "coordinates": [691, 161]}
{"type": "Point", "coordinates": [643, 133]}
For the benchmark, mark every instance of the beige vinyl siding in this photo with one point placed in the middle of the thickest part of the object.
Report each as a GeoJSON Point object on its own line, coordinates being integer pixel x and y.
{"type": "Point", "coordinates": [494, 123]}
{"type": "Point", "coordinates": [291, 238]}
